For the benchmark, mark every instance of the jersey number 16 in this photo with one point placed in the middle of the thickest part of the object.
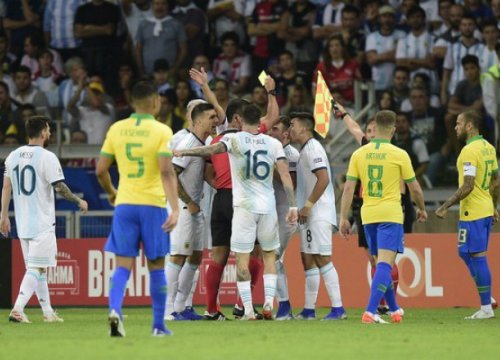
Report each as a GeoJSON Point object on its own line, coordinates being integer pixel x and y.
{"type": "Point", "coordinates": [253, 165]}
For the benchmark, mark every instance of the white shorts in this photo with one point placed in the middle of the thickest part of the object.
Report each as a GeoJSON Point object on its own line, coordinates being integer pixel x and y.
{"type": "Point", "coordinates": [316, 238]}
{"type": "Point", "coordinates": [285, 230]}
{"type": "Point", "coordinates": [41, 251]}
{"type": "Point", "coordinates": [247, 227]}
{"type": "Point", "coordinates": [187, 236]}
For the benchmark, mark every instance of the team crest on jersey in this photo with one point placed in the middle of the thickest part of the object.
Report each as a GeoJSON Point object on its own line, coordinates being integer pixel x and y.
{"type": "Point", "coordinates": [317, 160]}
{"type": "Point", "coordinates": [186, 245]}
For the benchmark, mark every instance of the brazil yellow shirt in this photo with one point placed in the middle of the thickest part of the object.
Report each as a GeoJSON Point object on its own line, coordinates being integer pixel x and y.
{"type": "Point", "coordinates": [380, 166]}
{"type": "Point", "coordinates": [478, 159]}
{"type": "Point", "coordinates": [136, 143]}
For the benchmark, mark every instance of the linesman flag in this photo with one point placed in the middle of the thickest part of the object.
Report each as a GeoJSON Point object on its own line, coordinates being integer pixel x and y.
{"type": "Point", "coordinates": [322, 107]}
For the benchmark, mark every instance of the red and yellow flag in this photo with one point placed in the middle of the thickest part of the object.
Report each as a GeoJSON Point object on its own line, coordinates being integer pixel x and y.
{"type": "Point", "coordinates": [322, 106]}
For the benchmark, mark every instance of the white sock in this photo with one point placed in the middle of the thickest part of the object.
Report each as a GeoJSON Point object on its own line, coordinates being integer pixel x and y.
{"type": "Point", "coordinates": [28, 286]}
{"type": "Point", "coordinates": [246, 296]}
{"type": "Point", "coordinates": [487, 308]}
{"type": "Point", "coordinates": [281, 284]}
{"type": "Point", "coordinates": [312, 288]}
{"type": "Point", "coordinates": [331, 279]}
{"type": "Point", "coordinates": [269, 289]}
{"type": "Point", "coordinates": [42, 293]}
{"type": "Point", "coordinates": [186, 277]}
{"type": "Point", "coordinates": [189, 300]}
{"type": "Point", "coordinates": [172, 284]}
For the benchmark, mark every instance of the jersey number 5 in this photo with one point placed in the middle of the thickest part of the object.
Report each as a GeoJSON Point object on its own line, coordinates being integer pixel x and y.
{"type": "Point", "coordinates": [138, 159]}
{"type": "Point", "coordinates": [22, 188]}
{"type": "Point", "coordinates": [253, 165]}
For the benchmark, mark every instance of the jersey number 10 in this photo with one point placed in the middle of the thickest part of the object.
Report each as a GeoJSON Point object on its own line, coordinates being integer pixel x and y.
{"type": "Point", "coordinates": [253, 165]}
{"type": "Point", "coordinates": [22, 188]}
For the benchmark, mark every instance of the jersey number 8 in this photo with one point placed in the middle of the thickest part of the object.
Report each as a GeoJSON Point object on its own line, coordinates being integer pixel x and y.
{"type": "Point", "coordinates": [256, 165]}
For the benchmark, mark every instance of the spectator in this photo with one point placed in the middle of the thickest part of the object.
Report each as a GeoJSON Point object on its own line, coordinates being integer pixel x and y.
{"type": "Point", "coordinates": [495, 8]}
{"type": "Point", "coordinates": [228, 16]}
{"type": "Point", "coordinates": [17, 128]}
{"type": "Point", "coordinates": [75, 69]}
{"type": "Point", "coordinates": [160, 75]}
{"type": "Point", "coordinates": [414, 50]}
{"type": "Point", "coordinates": [288, 76]}
{"type": "Point", "coordinates": [491, 36]}
{"type": "Point", "coordinates": [79, 137]}
{"type": "Point", "coordinates": [338, 71]}
{"type": "Point", "coordinates": [354, 37]}
{"type": "Point", "coordinates": [296, 30]}
{"type": "Point", "coordinates": [400, 86]}
{"type": "Point", "coordinates": [403, 9]}
{"type": "Point", "coordinates": [467, 96]}
{"type": "Point", "coordinates": [428, 123]}
{"type": "Point", "coordinates": [490, 84]}
{"type": "Point", "coordinates": [451, 35]}
{"type": "Point", "coordinates": [10, 140]}
{"type": "Point", "coordinates": [298, 100]}
{"type": "Point", "coordinates": [167, 114]}
{"type": "Point", "coordinates": [22, 17]}
{"type": "Point", "coordinates": [95, 24]}
{"type": "Point", "coordinates": [381, 48]}
{"type": "Point", "coordinates": [431, 9]}
{"type": "Point", "coordinates": [385, 101]}
{"type": "Point", "coordinates": [7, 59]}
{"type": "Point", "coordinates": [6, 108]}
{"type": "Point", "coordinates": [405, 139]}
{"type": "Point", "coordinates": [134, 12]}
{"type": "Point", "coordinates": [58, 27]}
{"type": "Point", "coordinates": [160, 36]}
{"type": "Point", "coordinates": [264, 25]}
{"type": "Point", "coordinates": [445, 15]}
{"type": "Point", "coordinates": [183, 94]}
{"type": "Point", "coordinates": [33, 44]}
{"type": "Point", "coordinates": [221, 91]}
{"type": "Point", "coordinates": [328, 20]}
{"type": "Point", "coordinates": [201, 61]}
{"type": "Point", "coordinates": [46, 80]}
{"type": "Point", "coordinates": [233, 65]}
{"type": "Point", "coordinates": [122, 102]}
{"type": "Point", "coordinates": [477, 9]}
{"type": "Point", "coordinates": [25, 93]}
{"type": "Point", "coordinates": [194, 22]}
{"type": "Point", "coordinates": [421, 80]}
{"type": "Point", "coordinates": [259, 98]}
{"type": "Point", "coordinates": [94, 115]}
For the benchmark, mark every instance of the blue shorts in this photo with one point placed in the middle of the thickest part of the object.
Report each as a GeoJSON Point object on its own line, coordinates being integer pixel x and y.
{"type": "Point", "coordinates": [133, 224]}
{"type": "Point", "coordinates": [387, 236]}
{"type": "Point", "coordinates": [473, 236]}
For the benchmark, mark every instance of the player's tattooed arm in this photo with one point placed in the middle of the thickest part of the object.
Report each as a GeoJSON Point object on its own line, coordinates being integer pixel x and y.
{"type": "Point", "coordinates": [63, 190]}
{"type": "Point", "coordinates": [461, 193]}
{"type": "Point", "coordinates": [202, 151]}
{"type": "Point", "coordinates": [183, 195]}
{"type": "Point", "coordinates": [494, 188]}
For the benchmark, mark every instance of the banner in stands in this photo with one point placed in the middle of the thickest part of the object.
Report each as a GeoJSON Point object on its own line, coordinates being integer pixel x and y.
{"type": "Point", "coordinates": [431, 274]}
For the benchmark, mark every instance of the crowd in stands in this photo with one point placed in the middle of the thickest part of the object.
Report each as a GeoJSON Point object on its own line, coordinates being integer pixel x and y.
{"type": "Point", "coordinates": [429, 60]}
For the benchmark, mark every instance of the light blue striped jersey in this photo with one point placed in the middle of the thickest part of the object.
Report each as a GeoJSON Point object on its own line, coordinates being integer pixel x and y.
{"type": "Point", "coordinates": [58, 20]}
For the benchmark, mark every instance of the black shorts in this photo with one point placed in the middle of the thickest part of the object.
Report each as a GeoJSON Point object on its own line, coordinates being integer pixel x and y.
{"type": "Point", "coordinates": [222, 217]}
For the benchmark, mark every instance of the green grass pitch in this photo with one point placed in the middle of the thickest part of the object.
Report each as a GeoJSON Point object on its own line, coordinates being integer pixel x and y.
{"type": "Point", "coordinates": [424, 334]}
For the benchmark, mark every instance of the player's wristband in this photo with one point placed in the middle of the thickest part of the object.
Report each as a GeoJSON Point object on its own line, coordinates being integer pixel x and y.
{"type": "Point", "coordinates": [272, 92]}
{"type": "Point", "coordinates": [342, 116]}
{"type": "Point", "coordinates": [309, 204]}
{"type": "Point", "coordinates": [293, 208]}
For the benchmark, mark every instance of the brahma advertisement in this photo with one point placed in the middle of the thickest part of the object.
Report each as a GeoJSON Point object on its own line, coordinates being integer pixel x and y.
{"type": "Point", "coordinates": [431, 274]}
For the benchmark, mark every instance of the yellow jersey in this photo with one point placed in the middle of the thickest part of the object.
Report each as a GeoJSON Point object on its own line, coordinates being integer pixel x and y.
{"type": "Point", "coordinates": [478, 159]}
{"type": "Point", "coordinates": [380, 166]}
{"type": "Point", "coordinates": [135, 144]}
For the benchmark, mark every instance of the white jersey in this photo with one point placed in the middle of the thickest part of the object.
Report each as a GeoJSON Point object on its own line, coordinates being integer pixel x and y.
{"type": "Point", "coordinates": [292, 156]}
{"type": "Point", "coordinates": [32, 171]}
{"type": "Point", "coordinates": [176, 139]}
{"type": "Point", "coordinates": [193, 174]}
{"type": "Point", "coordinates": [382, 73]}
{"type": "Point", "coordinates": [313, 158]}
{"type": "Point", "coordinates": [252, 158]}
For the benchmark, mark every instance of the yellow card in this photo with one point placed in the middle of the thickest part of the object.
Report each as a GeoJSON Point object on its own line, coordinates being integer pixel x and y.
{"type": "Point", "coordinates": [262, 77]}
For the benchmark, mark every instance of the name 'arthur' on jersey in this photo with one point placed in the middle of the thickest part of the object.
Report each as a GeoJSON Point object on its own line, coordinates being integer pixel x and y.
{"type": "Point", "coordinates": [252, 158]}
{"type": "Point", "coordinates": [33, 171]}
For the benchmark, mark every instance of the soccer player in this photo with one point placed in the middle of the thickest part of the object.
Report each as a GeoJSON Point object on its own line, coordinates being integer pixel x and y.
{"type": "Point", "coordinates": [187, 237]}
{"type": "Point", "coordinates": [478, 194]}
{"type": "Point", "coordinates": [253, 156]}
{"type": "Point", "coordinates": [139, 145]}
{"type": "Point", "coordinates": [380, 166]}
{"type": "Point", "coordinates": [32, 173]}
{"type": "Point", "coordinates": [281, 132]}
{"type": "Point", "coordinates": [317, 217]}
